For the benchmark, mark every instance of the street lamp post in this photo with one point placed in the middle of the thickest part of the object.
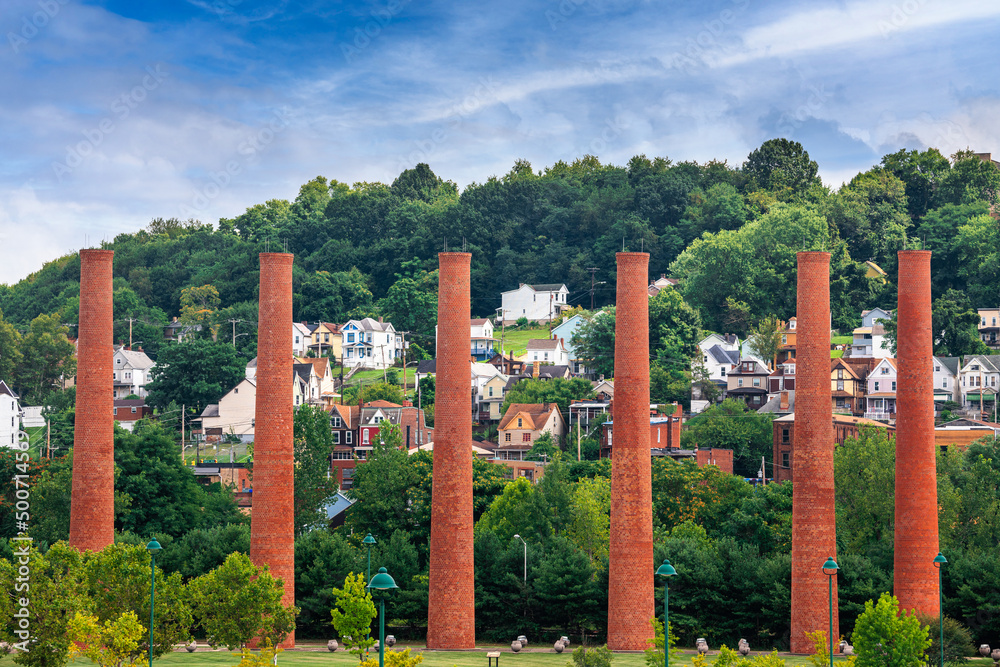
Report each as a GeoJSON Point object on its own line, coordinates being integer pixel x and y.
{"type": "Point", "coordinates": [152, 548]}
{"type": "Point", "coordinates": [830, 568]}
{"type": "Point", "coordinates": [382, 583]}
{"type": "Point", "coordinates": [525, 557]}
{"type": "Point", "coordinates": [940, 560]}
{"type": "Point", "coordinates": [369, 542]}
{"type": "Point", "coordinates": [666, 570]}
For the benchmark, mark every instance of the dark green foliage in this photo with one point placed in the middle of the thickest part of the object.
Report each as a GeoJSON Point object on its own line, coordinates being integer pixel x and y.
{"type": "Point", "coordinates": [195, 372]}
{"type": "Point", "coordinates": [958, 641]}
{"type": "Point", "coordinates": [731, 425]}
{"type": "Point", "coordinates": [322, 562]}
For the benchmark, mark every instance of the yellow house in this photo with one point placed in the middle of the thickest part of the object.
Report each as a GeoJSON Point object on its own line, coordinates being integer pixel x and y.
{"type": "Point", "coordinates": [327, 341]}
{"type": "Point", "coordinates": [523, 423]}
{"type": "Point", "coordinates": [875, 271]}
{"type": "Point", "coordinates": [493, 393]}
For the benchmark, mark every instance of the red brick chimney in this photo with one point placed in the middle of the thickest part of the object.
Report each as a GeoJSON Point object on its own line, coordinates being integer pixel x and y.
{"type": "Point", "coordinates": [451, 611]}
{"type": "Point", "coordinates": [272, 522]}
{"type": "Point", "coordinates": [630, 576]}
{"type": "Point", "coordinates": [814, 533]}
{"type": "Point", "coordinates": [915, 580]}
{"type": "Point", "coordinates": [92, 505]}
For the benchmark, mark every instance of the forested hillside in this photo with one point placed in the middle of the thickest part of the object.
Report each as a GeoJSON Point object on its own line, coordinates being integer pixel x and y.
{"type": "Point", "coordinates": [729, 233]}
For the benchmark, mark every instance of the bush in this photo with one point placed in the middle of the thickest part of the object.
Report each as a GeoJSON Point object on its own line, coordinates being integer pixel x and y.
{"type": "Point", "coordinates": [957, 640]}
{"type": "Point", "coordinates": [595, 657]}
{"type": "Point", "coordinates": [523, 322]}
{"type": "Point", "coordinates": [395, 659]}
{"type": "Point", "coordinates": [885, 638]}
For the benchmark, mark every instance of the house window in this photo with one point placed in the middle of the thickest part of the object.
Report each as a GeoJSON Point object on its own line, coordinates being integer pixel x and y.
{"type": "Point", "coordinates": [236, 390]}
{"type": "Point", "coordinates": [894, 386]}
{"type": "Point", "coordinates": [784, 339]}
{"type": "Point", "coordinates": [937, 369]}
{"type": "Point", "coordinates": [944, 383]}
{"type": "Point", "coordinates": [876, 385]}
{"type": "Point", "coordinates": [785, 436]}
{"type": "Point", "coordinates": [133, 410]}
{"type": "Point", "coordinates": [840, 373]}
{"type": "Point", "coordinates": [840, 402]}
{"type": "Point", "coordinates": [364, 437]}
{"type": "Point", "coordinates": [520, 423]}
{"type": "Point", "coordinates": [885, 370]}
{"type": "Point", "coordinates": [739, 382]}
{"type": "Point", "coordinates": [349, 437]}
{"type": "Point", "coordinates": [350, 338]}
{"type": "Point", "coordinates": [546, 356]}
{"type": "Point", "coordinates": [326, 338]}
{"type": "Point", "coordinates": [507, 437]}
{"type": "Point", "coordinates": [784, 459]}
{"type": "Point", "coordinates": [975, 368]}
{"type": "Point", "coordinates": [840, 385]}
{"type": "Point", "coordinates": [115, 411]}
{"type": "Point", "coordinates": [756, 382]}
{"type": "Point", "coordinates": [491, 392]}
{"type": "Point", "coordinates": [526, 437]}
{"type": "Point", "coordinates": [723, 370]}
{"type": "Point", "coordinates": [335, 421]}
{"type": "Point", "coordinates": [336, 437]}
{"type": "Point", "coordinates": [704, 359]}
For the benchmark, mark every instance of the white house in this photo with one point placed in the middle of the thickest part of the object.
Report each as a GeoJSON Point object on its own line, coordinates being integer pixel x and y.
{"type": "Point", "coordinates": [870, 318]}
{"type": "Point", "coordinates": [870, 342]}
{"type": "Point", "coordinates": [537, 303]}
{"type": "Point", "coordinates": [881, 394]}
{"type": "Point", "coordinates": [132, 368]}
{"type": "Point", "coordinates": [480, 339]}
{"type": "Point", "coordinates": [10, 416]}
{"type": "Point", "coordinates": [565, 331]}
{"type": "Point", "coordinates": [980, 378]}
{"type": "Point", "coordinates": [946, 384]}
{"type": "Point", "coordinates": [301, 336]}
{"type": "Point", "coordinates": [370, 343]}
{"type": "Point", "coordinates": [718, 355]}
{"type": "Point", "coordinates": [547, 352]}
{"type": "Point", "coordinates": [234, 413]}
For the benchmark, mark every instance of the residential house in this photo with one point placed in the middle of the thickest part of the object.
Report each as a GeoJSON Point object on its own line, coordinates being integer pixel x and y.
{"type": "Point", "coordinates": [326, 340]}
{"type": "Point", "coordinates": [565, 331]}
{"type": "Point", "coordinates": [946, 383]}
{"type": "Point", "coordinates": [875, 271]}
{"type": "Point", "coordinates": [980, 377]}
{"type": "Point", "coordinates": [847, 389]}
{"type": "Point", "coordinates": [719, 355]}
{"type": "Point", "coordinates": [604, 390]}
{"type": "Point", "coordinates": [132, 370]}
{"type": "Point", "coordinates": [881, 391]}
{"type": "Point", "coordinates": [178, 331]}
{"type": "Point", "coordinates": [234, 414]}
{"type": "Point", "coordinates": [251, 370]}
{"type": "Point", "coordinates": [783, 439]}
{"type": "Point", "coordinates": [537, 303]}
{"type": "Point", "coordinates": [508, 364]}
{"type": "Point", "coordinates": [322, 384]}
{"type": "Point", "coordinates": [10, 416]}
{"type": "Point", "coordinates": [588, 414]}
{"type": "Point", "coordinates": [128, 411]}
{"type": "Point", "coordinates": [491, 399]}
{"type": "Point", "coordinates": [789, 333]}
{"type": "Point", "coordinates": [547, 352]}
{"type": "Point", "coordinates": [306, 372]}
{"type": "Point", "coordinates": [748, 382]}
{"type": "Point", "coordinates": [870, 318]}
{"type": "Point", "coordinates": [963, 432]}
{"type": "Point", "coordinates": [870, 342]}
{"type": "Point", "coordinates": [661, 283]}
{"type": "Point", "coordinates": [480, 339]}
{"type": "Point", "coordinates": [782, 380]}
{"type": "Point", "coordinates": [664, 432]}
{"type": "Point", "coordinates": [523, 423]}
{"type": "Point", "coordinates": [989, 327]}
{"type": "Point", "coordinates": [370, 343]}
{"type": "Point", "coordinates": [301, 337]}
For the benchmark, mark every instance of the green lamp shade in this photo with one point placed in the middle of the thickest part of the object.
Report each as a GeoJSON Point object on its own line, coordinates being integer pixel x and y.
{"type": "Point", "coordinates": [666, 570]}
{"type": "Point", "coordinates": [382, 581]}
{"type": "Point", "coordinates": [368, 539]}
{"type": "Point", "coordinates": [940, 560]}
{"type": "Point", "coordinates": [153, 546]}
{"type": "Point", "coordinates": [830, 567]}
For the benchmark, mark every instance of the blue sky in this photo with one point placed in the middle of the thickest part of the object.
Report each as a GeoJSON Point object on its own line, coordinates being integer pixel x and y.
{"type": "Point", "coordinates": [115, 112]}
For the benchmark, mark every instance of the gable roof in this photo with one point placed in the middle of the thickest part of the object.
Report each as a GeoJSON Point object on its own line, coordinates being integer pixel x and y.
{"type": "Point", "coordinates": [4, 389]}
{"type": "Point", "coordinates": [544, 344]}
{"type": "Point", "coordinates": [889, 360]}
{"type": "Point", "coordinates": [991, 360]}
{"type": "Point", "coordinates": [303, 370]}
{"type": "Point", "coordinates": [724, 356]}
{"type": "Point", "coordinates": [347, 413]}
{"type": "Point", "coordinates": [951, 363]}
{"type": "Point", "coordinates": [427, 366]}
{"type": "Point", "coordinates": [136, 358]}
{"type": "Point", "coordinates": [840, 363]}
{"type": "Point", "coordinates": [480, 322]}
{"type": "Point", "coordinates": [532, 412]}
{"type": "Point", "coordinates": [550, 372]}
{"type": "Point", "coordinates": [548, 287]}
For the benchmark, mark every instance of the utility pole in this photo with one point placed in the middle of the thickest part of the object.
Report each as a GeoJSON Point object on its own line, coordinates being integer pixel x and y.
{"type": "Point", "coordinates": [233, 322]}
{"type": "Point", "coordinates": [403, 335]}
{"type": "Point", "coordinates": [130, 321]}
{"type": "Point", "coordinates": [48, 437]}
{"type": "Point", "coordinates": [592, 270]}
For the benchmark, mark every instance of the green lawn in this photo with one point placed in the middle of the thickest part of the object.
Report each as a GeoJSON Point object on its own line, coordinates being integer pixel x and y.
{"type": "Point", "coordinates": [516, 339]}
{"type": "Point", "coordinates": [841, 340]}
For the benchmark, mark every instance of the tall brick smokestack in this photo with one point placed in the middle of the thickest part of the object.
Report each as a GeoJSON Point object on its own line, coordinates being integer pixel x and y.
{"type": "Point", "coordinates": [272, 522]}
{"type": "Point", "coordinates": [451, 613]}
{"type": "Point", "coordinates": [814, 529]}
{"type": "Point", "coordinates": [92, 507]}
{"type": "Point", "coordinates": [630, 575]}
{"type": "Point", "coordinates": [915, 580]}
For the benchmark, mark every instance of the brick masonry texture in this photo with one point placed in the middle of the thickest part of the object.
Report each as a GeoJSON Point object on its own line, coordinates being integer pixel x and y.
{"type": "Point", "coordinates": [92, 508]}
{"type": "Point", "coordinates": [814, 530]}
{"type": "Point", "coordinates": [915, 580]}
{"type": "Point", "coordinates": [630, 575]}
{"type": "Point", "coordinates": [451, 613]}
{"type": "Point", "coordinates": [272, 521]}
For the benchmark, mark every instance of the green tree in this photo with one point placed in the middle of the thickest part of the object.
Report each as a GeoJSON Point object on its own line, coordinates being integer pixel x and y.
{"type": "Point", "coordinates": [956, 326]}
{"type": "Point", "coordinates": [543, 448]}
{"type": "Point", "coordinates": [969, 180]}
{"type": "Point", "coordinates": [47, 356]}
{"type": "Point", "coordinates": [239, 601]}
{"type": "Point", "coordinates": [864, 474]}
{"type": "Point", "coordinates": [314, 487]}
{"type": "Point", "coordinates": [353, 615]}
{"type": "Point", "coordinates": [765, 338]}
{"type": "Point", "coordinates": [978, 249]}
{"type": "Point", "coordinates": [113, 644]}
{"type": "Point", "coordinates": [885, 638]}
{"type": "Point", "coordinates": [922, 172]}
{"type": "Point", "coordinates": [334, 297]}
{"type": "Point", "coordinates": [938, 231]}
{"type": "Point", "coordinates": [870, 213]}
{"type": "Point", "coordinates": [512, 513]}
{"type": "Point", "coordinates": [10, 350]}
{"type": "Point", "coordinates": [731, 425]}
{"type": "Point", "coordinates": [589, 524]}
{"type": "Point", "coordinates": [194, 373]}
{"type": "Point", "coordinates": [782, 167]}
{"type": "Point", "coordinates": [674, 328]}
{"type": "Point", "coordinates": [594, 341]}
{"type": "Point", "coordinates": [561, 391]}
{"type": "Point", "coordinates": [378, 391]}
{"type": "Point", "coordinates": [410, 299]}
{"type": "Point", "coordinates": [381, 489]}
{"type": "Point", "coordinates": [198, 306]}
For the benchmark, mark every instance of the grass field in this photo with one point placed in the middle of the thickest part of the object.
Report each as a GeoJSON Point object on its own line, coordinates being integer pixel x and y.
{"type": "Point", "coordinates": [841, 340]}
{"type": "Point", "coordinates": [314, 654]}
{"type": "Point", "coordinates": [516, 339]}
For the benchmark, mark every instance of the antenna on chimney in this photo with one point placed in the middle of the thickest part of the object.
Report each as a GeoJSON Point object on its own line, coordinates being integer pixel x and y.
{"type": "Point", "coordinates": [464, 245]}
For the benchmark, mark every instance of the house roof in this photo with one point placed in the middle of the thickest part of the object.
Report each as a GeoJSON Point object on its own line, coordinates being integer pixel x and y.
{"type": "Point", "coordinates": [211, 410]}
{"type": "Point", "coordinates": [553, 371]}
{"type": "Point", "coordinates": [724, 356]}
{"type": "Point", "coordinates": [136, 358]}
{"type": "Point", "coordinates": [548, 287]}
{"type": "Point", "coordinates": [480, 322]}
{"type": "Point", "coordinates": [130, 403]}
{"type": "Point", "coordinates": [252, 363]}
{"type": "Point", "coordinates": [427, 366]}
{"type": "Point", "coordinates": [319, 364]}
{"type": "Point", "coordinates": [4, 389]}
{"type": "Point", "coordinates": [951, 363]}
{"type": "Point", "coordinates": [370, 324]}
{"type": "Point", "coordinates": [347, 413]}
{"type": "Point", "coordinates": [303, 370]}
{"type": "Point", "coordinates": [532, 412]}
{"type": "Point", "coordinates": [544, 344]}
{"type": "Point", "coordinates": [990, 360]}
{"type": "Point", "coordinates": [839, 363]}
